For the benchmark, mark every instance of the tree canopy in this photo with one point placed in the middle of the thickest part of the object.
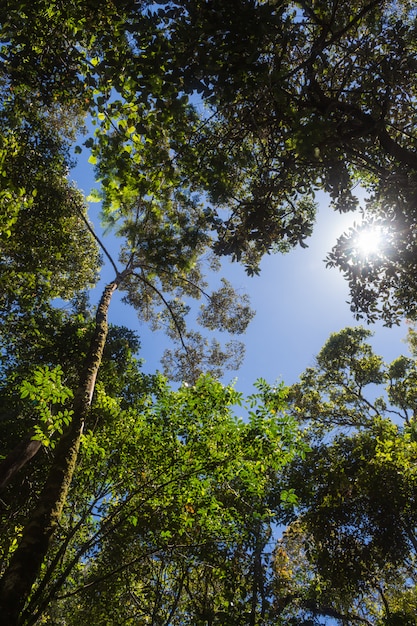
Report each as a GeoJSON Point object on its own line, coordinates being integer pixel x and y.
{"type": "Point", "coordinates": [211, 126]}
{"type": "Point", "coordinates": [352, 544]}
{"type": "Point", "coordinates": [262, 104]}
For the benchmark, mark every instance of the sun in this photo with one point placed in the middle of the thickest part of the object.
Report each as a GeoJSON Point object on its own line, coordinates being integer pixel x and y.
{"type": "Point", "coordinates": [369, 241]}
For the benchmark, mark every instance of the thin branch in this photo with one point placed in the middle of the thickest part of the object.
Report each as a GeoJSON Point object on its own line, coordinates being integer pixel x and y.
{"type": "Point", "coordinates": [316, 49]}
{"type": "Point", "coordinates": [359, 396]}
{"type": "Point", "coordinates": [411, 536]}
{"type": "Point", "coordinates": [168, 306]}
{"type": "Point", "coordinates": [318, 609]}
{"type": "Point", "coordinates": [110, 524]}
{"type": "Point", "coordinates": [355, 20]}
{"type": "Point", "coordinates": [177, 597]}
{"type": "Point", "coordinates": [32, 609]}
{"type": "Point", "coordinates": [100, 243]}
{"type": "Point", "coordinates": [384, 601]}
{"type": "Point", "coordinates": [108, 575]}
{"type": "Point", "coordinates": [181, 278]}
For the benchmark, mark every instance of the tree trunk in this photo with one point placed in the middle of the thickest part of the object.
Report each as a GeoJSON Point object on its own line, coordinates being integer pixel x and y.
{"type": "Point", "coordinates": [21, 454]}
{"type": "Point", "coordinates": [26, 561]}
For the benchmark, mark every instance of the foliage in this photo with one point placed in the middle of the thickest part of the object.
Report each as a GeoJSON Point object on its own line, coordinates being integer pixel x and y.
{"type": "Point", "coordinates": [287, 99]}
{"type": "Point", "coordinates": [59, 344]}
{"type": "Point", "coordinates": [214, 126]}
{"type": "Point", "coordinates": [382, 284]}
{"type": "Point", "coordinates": [160, 218]}
{"type": "Point", "coordinates": [172, 499]}
{"type": "Point", "coordinates": [140, 146]}
{"type": "Point", "coordinates": [351, 548]}
{"type": "Point", "coordinates": [39, 263]}
{"type": "Point", "coordinates": [46, 392]}
{"type": "Point", "coordinates": [309, 96]}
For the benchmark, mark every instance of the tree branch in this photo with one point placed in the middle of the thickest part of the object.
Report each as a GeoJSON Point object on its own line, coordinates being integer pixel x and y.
{"type": "Point", "coordinates": [99, 241]}
{"type": "Point", "coordinates": [167, 305]}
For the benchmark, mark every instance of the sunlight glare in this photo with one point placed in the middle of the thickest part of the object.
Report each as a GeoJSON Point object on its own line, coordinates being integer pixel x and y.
{"type": "Point", "coordinates": [369, 242]}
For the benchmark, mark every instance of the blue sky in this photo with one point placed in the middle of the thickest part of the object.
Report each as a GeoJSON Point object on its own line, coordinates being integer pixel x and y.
{"type": "Point", "coordinates": [298, 303]}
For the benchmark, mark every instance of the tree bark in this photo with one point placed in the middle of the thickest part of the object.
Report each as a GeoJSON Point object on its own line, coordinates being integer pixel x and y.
{"type": "Point", "coordinates": [21, 454]}
{"type": "Point", "coordinates": [26, 561]}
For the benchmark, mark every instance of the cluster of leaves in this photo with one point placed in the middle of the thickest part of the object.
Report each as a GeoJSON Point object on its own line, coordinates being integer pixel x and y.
{"type": "Point", "coordinates": [381, 285]}
{"type": "Point", "coordinates": [150, 187]}
{"type": "Point", "coordinates": [308, 96]}
{"type": "Point", "coordinates": [288, 99]}
{"type": "Point", "coordinates": [39, 263]}
{"type": "Point", "coordinates": [169, 517]}
{"type": "Point", "coordinates": [349, 553]}
{"type": "Point", "coordinates": [47, 391]}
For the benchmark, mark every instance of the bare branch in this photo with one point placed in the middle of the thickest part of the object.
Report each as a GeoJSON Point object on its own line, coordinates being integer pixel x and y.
{"type": "Point", "coordinates": [100, 243]}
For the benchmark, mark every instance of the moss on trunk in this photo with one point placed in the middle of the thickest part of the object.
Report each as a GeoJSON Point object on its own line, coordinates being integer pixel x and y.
{"type": "Point", "coordinates": [26, 561]}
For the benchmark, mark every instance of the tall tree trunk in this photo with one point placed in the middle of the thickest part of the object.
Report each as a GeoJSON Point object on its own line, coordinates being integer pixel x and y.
{"type": "Point", "coordinates": [26, 561]}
